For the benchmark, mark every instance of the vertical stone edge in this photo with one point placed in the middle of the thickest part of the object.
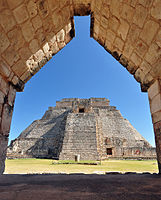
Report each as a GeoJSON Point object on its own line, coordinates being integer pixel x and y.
{"type": "Point", "coordinates": [154, 94]}
{"type": "Point", "coordinates": [7, 98]}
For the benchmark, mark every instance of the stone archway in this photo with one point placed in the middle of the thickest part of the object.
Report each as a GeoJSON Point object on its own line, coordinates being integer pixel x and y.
{"type": "Point", "coordinates": [32, 31]}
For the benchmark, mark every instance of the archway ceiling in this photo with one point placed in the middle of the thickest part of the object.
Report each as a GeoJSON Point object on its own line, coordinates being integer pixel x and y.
{"type": "Point", "coordinates": [32, 31]}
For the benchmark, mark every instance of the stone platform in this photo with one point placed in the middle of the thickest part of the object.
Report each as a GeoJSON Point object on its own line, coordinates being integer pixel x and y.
{"type": "Point", "coordinates": [79, 186]}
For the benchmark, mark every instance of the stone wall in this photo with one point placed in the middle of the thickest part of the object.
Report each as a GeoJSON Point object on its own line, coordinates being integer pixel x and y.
{"type": "Point", "coordinates": [80, 137]}
{"type": "Point", "coordinates": [7, 98]}
{"type": "Point", "coordinates": [154, 93]}
{"type": "Point", "coordinates": [43, 138]}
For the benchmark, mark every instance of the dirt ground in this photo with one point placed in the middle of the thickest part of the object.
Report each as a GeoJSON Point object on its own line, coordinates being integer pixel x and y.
{"type": "Point", "coordinates": [79, 186]}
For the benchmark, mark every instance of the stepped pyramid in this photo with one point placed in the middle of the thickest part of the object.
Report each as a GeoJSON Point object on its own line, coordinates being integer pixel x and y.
{"type": "Point", "coordinates": [90, 128]}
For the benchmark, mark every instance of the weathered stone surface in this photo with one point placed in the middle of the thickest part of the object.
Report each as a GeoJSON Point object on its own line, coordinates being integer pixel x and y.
{"type": "Point", "coordinates": [16, 38]}
{"type": "Point", "coordinates": [7, 20]}
{"type": "Point", "coordinates": [4, 42]}
{"type": "Point", "coordinates": [10, 55]}
{"type": "Point", "coordinates": [28, 31]}
{"type": "Point", "coordinates": [88, 127]}
{"type": "Point", "coordinates": [3, 149]}
{"type": "Point", "coordinates": [149, 30]}
{"type": "Point", "coordinates": [21, 14]}
{"type": "Point", "coordinates": [6, 119]}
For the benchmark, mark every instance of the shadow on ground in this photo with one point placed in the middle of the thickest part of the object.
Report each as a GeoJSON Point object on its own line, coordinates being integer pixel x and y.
{"type": "Point", "coordinates": [79, 186]}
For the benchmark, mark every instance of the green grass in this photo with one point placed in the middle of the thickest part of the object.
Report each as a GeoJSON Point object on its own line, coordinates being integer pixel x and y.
{"type": "Point", "coordinates": [25, 166]}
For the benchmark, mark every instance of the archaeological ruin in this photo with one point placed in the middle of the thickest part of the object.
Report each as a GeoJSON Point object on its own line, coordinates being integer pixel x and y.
{"type": "Point", "coordinates": [90, 128]}
{"type": "Point", "coordinates": [31, 32]}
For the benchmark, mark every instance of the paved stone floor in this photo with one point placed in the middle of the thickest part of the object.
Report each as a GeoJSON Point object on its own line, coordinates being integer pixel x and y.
{"type": "Point", "coordinates": [77, 186]}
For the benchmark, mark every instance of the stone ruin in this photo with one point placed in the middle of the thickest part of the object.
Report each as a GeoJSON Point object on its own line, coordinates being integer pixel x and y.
{"type": "Point", "coordinates": [32, 32]}
{"type": "Point", "coordinates": [90, 128]}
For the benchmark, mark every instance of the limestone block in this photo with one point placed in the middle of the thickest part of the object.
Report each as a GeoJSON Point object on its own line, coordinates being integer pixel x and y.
{"type": "Point", "coordinates": [119, 43]}
{"type": "Point", "coordinates": [53, 4]}
{"type": "Point", "coordinates": [106, 11]}
{"type": "Point", "coordinates": [140, 16]}
{"type": "Point", "coordinates": [11, 56]}
{"type": "Point", "coordinates": [128, 49]}
{"type": "Point", "coordinates": [115, 8]}
{"type": "Point", "coordinates": [28, 31]}
{"type": "Point", "coordinates": [113, 23]}
{"type": "Point", "coordinates": [141, 48]}
{"type": "Point", "coordinates": [66, 14]}
{"type": "Point", "coordinates": [15, 80]}
{"type": "Point", "coordinates": [47, 24]}
{"type": "Point", "coordinates": [32, 8]}
{"type": "Point", "coordinates": [40, 36]}
{"type": "Point", "coordinates": [37, 22]}
{"type": "Point", "coordinates": [132, 67]}
{"type": "Point", "coordinates": [13, 4]}
{"type": "Point", "coordinates": [60, 36]}
{"type": "Point", "coordinates": [158, 39]}
{"type": "Point", "coordinates": [155, 103]}
{"type": "Point", "coordinates": [25, 53]}
{"type": "Point", "coordinates": [1, 106]}
{"type": "Point", "coordinates": [6, 119]}
{"type": "Point", "coordinates": [7, 20]}
{"type": "Point", "coordinates": [156, 9]}
{"type": "Point", "coordinates": [16, 38]}
{"type": "Point", "coordinates": [39, 55]}
{"type": "Point", "coordinates": [4, 42]}
{"type": "Point", "coordinates": [11, 95]}
{"type": "Point", "coordinates": [156, 117]}
{"type": "Point", "coordinates": [156, 69]}
{"type": "Point", "coordinates": [102, 35]}
{"type": "Point", "coordinates": [110, 36]}
{"type": "Point", "coordinates": [3, 149]}
{"type": "Point", "coordinates": [2, 95]}
{"type": "Point", "coordinates": [3, 5]}
{"type": "Point", "coordinates": [153, 54]}
{"type": "Point", "coordinates": [148, 79]}
{"type": "Point", "coordinates": [4, 70]}
{"type": "Point", "coordinates": [26, 76]}
{"type": "Point", "coordinates": [133, 34]}
{"type": "Point", "coordinates": [64, 3]}
{"type": "Point", "coordinates": [123, 29]}
{"type": "Point", "coordinates": [10, 77]}
{"type": "Point", "coordinates": [57, 20]}
{"type": "Point", "coordinates": [31, 63]}
{"type": "Point", "coordinates": [139, 75]}
{"type": "Point", "coordinates": [145, 67]}
{"type": "Point", "coordinates": [21, 14]}
{"type": "Point", "coordinates": [46, 48]}
{"type": "Point", "coordinates": [96, 27]}
{"type": "Point", "coordinates": [135, 59]}
{"type": "Point", "coordinates": [133, 3]}
{"type": "Point", "coordinates": [43, 7]}
{"type": "Point", "coordinates": [145, 3]}
{"type": "Point", "coordinates": [104, 22]}
{"type": "Point", "coordinates": [34, 45]}
{"type": "Point", "coordinates": [54, 47]}
{"type": "Point", "coordinates": [127, 12]}
{"type": "Point", "coordinates": [98, 5]}
{"type": "Point", "coordinates": [19, 68]}
{"type": "Point", "coordinates": [149, 30]}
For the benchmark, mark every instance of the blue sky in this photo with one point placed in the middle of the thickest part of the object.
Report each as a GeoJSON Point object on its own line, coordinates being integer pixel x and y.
{"type": "Point", "coordinates": [82, 69]}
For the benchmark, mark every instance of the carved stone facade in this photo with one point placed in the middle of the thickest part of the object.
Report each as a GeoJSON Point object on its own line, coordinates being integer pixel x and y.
{"type": "Point", "coordinates": [32, 31]}
{"type": "Point", "coordinates": [90, 128]}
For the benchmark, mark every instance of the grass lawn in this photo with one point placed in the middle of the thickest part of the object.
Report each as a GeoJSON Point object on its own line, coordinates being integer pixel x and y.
{"type": "Point", "coordinates": [26, 166]}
